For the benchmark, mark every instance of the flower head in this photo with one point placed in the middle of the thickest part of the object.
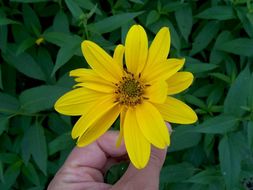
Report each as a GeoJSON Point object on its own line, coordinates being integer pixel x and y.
{"type": "Point", "coordinates": [138, 89]}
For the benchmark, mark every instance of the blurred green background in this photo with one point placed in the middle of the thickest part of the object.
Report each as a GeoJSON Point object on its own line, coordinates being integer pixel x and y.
{"type": "Point", "coordinates": [215, 37]}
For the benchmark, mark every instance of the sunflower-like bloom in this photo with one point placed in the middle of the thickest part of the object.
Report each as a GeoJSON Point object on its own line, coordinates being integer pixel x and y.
{"type": "Point", "coordinates": [138, 89]}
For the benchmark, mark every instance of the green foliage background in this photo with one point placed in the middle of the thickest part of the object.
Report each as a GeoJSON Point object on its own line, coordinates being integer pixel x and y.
{"type": "Point", "coordinates": [215, 37]}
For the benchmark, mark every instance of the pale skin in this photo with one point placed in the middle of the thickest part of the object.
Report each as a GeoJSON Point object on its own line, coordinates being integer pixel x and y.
{"type": "Point", "coordinates": [85, 167]}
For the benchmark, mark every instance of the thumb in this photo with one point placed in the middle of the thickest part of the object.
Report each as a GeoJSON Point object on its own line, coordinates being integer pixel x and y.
{"type": "Point", "coordinates": [147, 178]}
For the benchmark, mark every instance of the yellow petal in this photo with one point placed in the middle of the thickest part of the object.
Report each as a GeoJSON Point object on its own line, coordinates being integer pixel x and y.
{"type": "Point", "coordinates": [100, 87]}
{"type": "Point", "coordinates": [77, 101]}
{"type": "Point", "coordinates": [99, 127]}
{"type": "Point", "coordinates": [118, 55]}
{"type": "Point", "coordinates": [89, 79]}
{"type": "Point", "coordinates": [162, 71]}
{"type": "Point", "coordinates": [175, 111]}
{"type": "Point", "coordinates": [159, 49]}
{"type": "Point", "coordinates": [157, 92]}
{"type": "Point", "coordinates": [179, 82]}
{"type": "Point", "coordinates": [137, 146]}
{"type": "Point", "coordinates": [121, 132]}
{"type": "Point", "coordinates": [102, 63]}
{"type": "Point", "coordinates": [152, 125]}
{"type": "Point", "coordinates": [101, 107]}
{"type": "Point", "coordinates": [136, 49]}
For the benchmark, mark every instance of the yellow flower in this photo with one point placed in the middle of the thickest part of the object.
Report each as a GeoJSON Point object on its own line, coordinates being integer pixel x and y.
{"type": "Point", "coordinates": [138, 91]}
{"type": "Point", "coordinates": [39, 40]}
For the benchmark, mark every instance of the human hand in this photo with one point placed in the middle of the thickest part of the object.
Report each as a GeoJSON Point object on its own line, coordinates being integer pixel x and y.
{"type": "Point", "coordinates": [84, 168]}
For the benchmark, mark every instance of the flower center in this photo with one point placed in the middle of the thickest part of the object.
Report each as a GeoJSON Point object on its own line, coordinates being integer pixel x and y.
{"type": "Point", "coordinates": [130, 90]}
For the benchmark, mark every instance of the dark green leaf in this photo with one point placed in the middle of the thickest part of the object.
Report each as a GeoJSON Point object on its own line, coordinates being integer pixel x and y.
{"type": "Point", "coordinates": [25, 64]}
{"type": "Point", "coordinates": [219, 124]}
{"type": "Point", "coordinates": [217, 12]}
{"type": "Point", "coordinates": [10, 175]}
{"type": "Point", "coordinates": [183, 137]}
{"type": "Point", "coordinates": [8, 104]}
{"type": "Point", "coordinates": [31, 174]}
{"type": "Point", "coordinates": [152, 17]}
{"type": "Point", "coordinates": [38, 146]}
{"type": "Point", "coordinates": [6, 21]}
{"type": "Point", "coordinates": [230, 155]}
{"type": "Point", "coordinates": [31, 19]}
{"type": "Point", "coordinates": [1, 81]}
{"type": "Point", "coordinates": [4, 120]}
{"type": "Point", "coordinates": [64, 55]}
{"type": "Point", "coordinates": [200, 67]}
{"type": "Point", "coordinates": [61, 23]}
{"type": "Point", "coordinates": [1, 172]}
{"type": "Point", "coordinates": [250, 93]}
{"type": "Point", "coordinates": [29, 1]}
{"type": "Point", "coordinates": [3, 38]}
{"type": "Point", "coordinates": [238, 94]}
{"type": "Point", "coordinates": [172, 6]}
{"type": "Point", "coordinates": [75, 10]}
{"type": "Point", "coordinates": [40, 98]}
{"type": "Point", "coordinates": [184, 21]}
{"type": "Point", "coordinates": [27, 43]}
{"type": "Point", "coordinates": [246, 22]}
{"type": "Point", "coordinates": [239, 46]}
{"type": "Point", "coordinates": [205, 36]}
{"type": "Point", "coordinates": [113, 22]}
{"type": "Point", "coordinates": [250, 133]}
{"type": "Point", "coordinates": [60, 143]}
{"type": "Point", "coordinates": [206, 177]}
{"type": "Point", "coordinates": [176, 173]}
{"type": "Point", "coordinates": [88, 5]}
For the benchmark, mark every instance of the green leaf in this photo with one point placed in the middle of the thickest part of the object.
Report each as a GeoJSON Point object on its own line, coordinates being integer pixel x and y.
{"type": "Point", "coordinates": [30, 173]}
{"type": "Point", "coordinates": [152, 17]}
{"type": "Point", "coordinates": [37, 145]}
{"type": "Point", "coordinates": [245, 20]}
{"type": "Point", "coordinates": [88, 5]}
{"type": "Point", "coordinates": [176, 173]}
{"type": "Point", "coordinates": [60, 143]}
{"type": "Point", "coordinates": [75, 10]}
{"type": "Point", "coordinates": [27, 43]}
{"type": "Point", "coordinates": [113, 22]}
{"type": "Point", "coordinates": [3, 38]}
{"type": "Point", "coordinates": [238, 94]}
{"type": "Point", "coordinates": [184, 21]}
{"type": "Point", "coordinates": [219, 124]}
{"type": "Point", "coordinates": [64, 55]}
{"type": "Point", "coordinates": [183, 137]}
{"type": "Point", "coordinates": [10, 175]}
{"type": "Point", "coordinates": [61, 23]}
{"type": "Point", "coordinates": [1, 172]}
{"type": "Point", "coordinates": [172, 6]}
{"type": "Point", "coordinates": [200, 67]}
{"type": "Point", "coordinates": [250, 93]}
{"type": "Point", "coordinates": [239, 46]}
{"type": "Point", "coordinates": [250, 133]}
{"type": "Point", "coordinates": [45, 61]}
{"type": "Point", "coordinates": [29, 1]}
{"type": "Point", "coordinates": [6, 21]}
{"type": "Point", "coordinates": [8, 104]}
{"type": "Point", "coordinates": [1, 80]}
{"type": "Point", "coordinates": [31, 19]}
{"type": "Point", "coordinates": [217, 12]}
{"type": "Point", "coordinates": [4, 121]}
{"type": "Point", "coordinates": [206, 177]}
{"type": "Point", "coordinates": [25, 64]}
{"type": "Point", "coordinates": [205, 36]}
{"type": "Point", "coordinates": [230, 155]}
{"type": "Point", "coordinates": [40, 98]}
